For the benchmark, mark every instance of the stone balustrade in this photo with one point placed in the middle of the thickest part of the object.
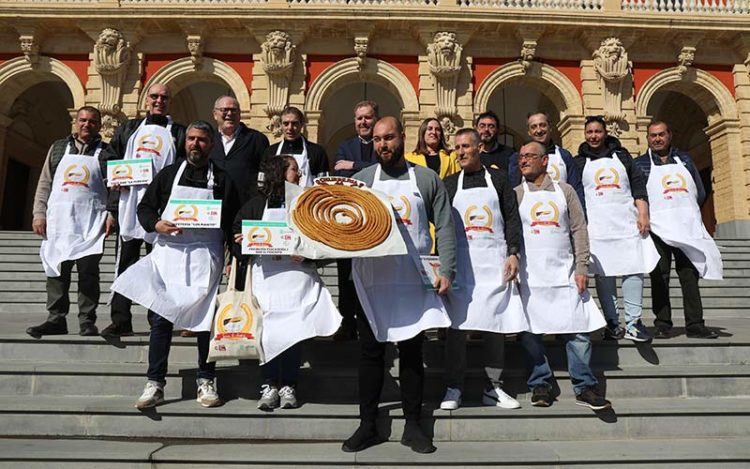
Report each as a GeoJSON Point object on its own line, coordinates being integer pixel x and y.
{"type": "Point", "coordinates": [581, 5]}
{"type": "Point", "coordinates": [701, 7]}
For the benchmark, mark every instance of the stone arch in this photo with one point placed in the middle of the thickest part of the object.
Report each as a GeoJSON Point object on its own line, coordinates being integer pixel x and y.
{"type": "Point", "coordinates": [181, 73]}
{"type": "Point", "coordinates": [545, 78]}
{"type": "Point", "coordinates": [17, 75]}
{"type": "Point", "coordinates": [705, 89]}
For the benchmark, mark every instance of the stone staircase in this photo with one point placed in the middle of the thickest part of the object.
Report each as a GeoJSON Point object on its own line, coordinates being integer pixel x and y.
{"type": "Point", "coordinates": [67, 401]}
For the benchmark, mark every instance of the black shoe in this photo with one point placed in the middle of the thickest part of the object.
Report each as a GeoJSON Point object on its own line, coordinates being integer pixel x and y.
{"type": "Point", "coordinates": [613, 332]}
{"type": "Point", "coordinates": [415, 439]}
{"type": "Point", "coordinates": [541, 396]}
{"type": "Point", "coordinates": [47, 328]}
{"type": "Point", "coordinates": [663, 333]}
{"type": "Point", "coordinates": [592, 400]}
{"type": "Point", "coordinates": [346, 332]}
{"type": "Point", "coordinates": [365, 436]}
{"type": "Point", "coordinates": [701, 332]}
{"type": "Point", "coordinates": [88, 330]}
{"type": "Point", "coordinates": [117, 330]}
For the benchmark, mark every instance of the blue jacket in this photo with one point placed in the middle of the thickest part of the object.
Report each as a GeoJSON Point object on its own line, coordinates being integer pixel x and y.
{"type": "Point", "coordinates": [351, 150]}
{"type": "Point", "coordinates": [645, 166]}
{"type": "Point", "coordinates": [574, 173]}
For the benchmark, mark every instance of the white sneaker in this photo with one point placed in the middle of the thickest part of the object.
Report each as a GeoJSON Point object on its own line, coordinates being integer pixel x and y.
{"type": "Point", "coordinates": [153, 395]}
{"type": "Point", "coordinates": [496, 397]}
{"type": "Point", "coordinates": [288, 397]}
{"type": "Point", "coordinates": [452, 399]}
{"type": "Point", "coordinates": [269, 397]}
{"type": "Point", "coordinates": [207, 395]}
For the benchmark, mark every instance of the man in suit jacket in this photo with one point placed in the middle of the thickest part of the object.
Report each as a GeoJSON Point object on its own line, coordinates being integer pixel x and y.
{"type": "Point", "coordinates": [356, 153]}
{"type": "Point", "coordinates": [238, 149]}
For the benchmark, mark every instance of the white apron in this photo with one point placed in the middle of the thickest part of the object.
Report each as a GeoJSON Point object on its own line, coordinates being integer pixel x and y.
{"type": "Point", "coordinates": [148, 141]}
{"type": "Point", "coordinates": [390, 288]}
{"type": "Point", "coordinates": [556, 167]}
{"type": "Point", "coordinates": [617, 247]}
{"type": "Point", "coordinates": [179, 279]}
{"type": "Point", "coordinates": [548, 288]}
{"type": "Point", "coordinates": [76, 212]}
{"type": "Point", "coordinates": [303, 163]}
{"type": "Point", "coordinates": [676, 217]}
{"type": "Point", "coordinates": [484, 301]}
{"type": "Point", "coordinates": [296, 304]}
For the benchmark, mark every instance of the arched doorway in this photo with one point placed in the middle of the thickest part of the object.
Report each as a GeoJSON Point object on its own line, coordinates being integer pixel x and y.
{"type": "Point", "coordinates": [196, 101]}
{"type": "Point", "coordinates": [688, 121]}
{"type": "Point", "coordinates": [512, 104]}
{"type": "Point", "coordinates": [336, 122]}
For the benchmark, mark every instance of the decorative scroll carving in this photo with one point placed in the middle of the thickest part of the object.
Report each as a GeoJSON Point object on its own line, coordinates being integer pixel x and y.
{"type": "Point", "coordinates": [612, 67]}
{"type": "Point", "coordinates": [444, 57]}
{"type": "Point", "coordinates": [111, 60]}
{"type": "Point", "coordinates": [277, 60]}
{"type": "Point", "coordinates": [195, 47]}
{"type": "Point", "coordinates": [360, 49]}
{"type": "Point", "coordinates": [685, 59]}
{"type": "Point", "coordinates": [528, 51]}
{"type": "Point", "coordinates": [30, 48]}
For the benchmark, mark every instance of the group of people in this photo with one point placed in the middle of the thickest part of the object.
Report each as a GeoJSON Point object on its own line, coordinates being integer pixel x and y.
{"type": "Point", "coordinates": [517, 234]}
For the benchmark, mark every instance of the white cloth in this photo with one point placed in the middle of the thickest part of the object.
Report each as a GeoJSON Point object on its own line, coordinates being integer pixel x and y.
{"type": "Point", "coordinates": [295, 302]}
{"type": "Point", "coordinates": [676, 216]}
{"type": "Point", "coordinates": [228, 141]}
{"type": "Point", "coordinates": [390, 288]}
{"type": "Point", "coordinates": [617, 247]}
{"type": "Point", "coordinates": [148, 141]}
{"type": "Point", "coordinates": [306, 179]}
{"type": "Point", "coordinates": [180, 278]}
{"type": "Point", "coordinates": [548, 288]}
{"type": "Point", "coordinates": [76, 212]}
{"type": "Point", "coordinates": [556, 167]}
{"type": "Point", "coordinates": [484, 301]}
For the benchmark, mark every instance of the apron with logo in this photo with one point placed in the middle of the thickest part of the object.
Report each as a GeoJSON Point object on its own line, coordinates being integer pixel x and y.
{"type": "Point", "coordinates": [180, 278]}
{"type": "Point", "coordinates": [303, 163]}
{"type": "Point", "coordinates": [617, 247]}
{"type": "Point", "coordinates": [484, 301]}
{"type": "Point", "coordinates": [76, 212]}
{"type": "Point", "coordinates": [148, 141]}
{"type": "Point", "coordinates": [676, 217]}
{"type": "Point", "coordinates": [556, 167]}
{"type": "Point", "coordinates": [296, 304]}
{"type": "Point", "coordinates": [390, 289]}
{"type": "Point", "coordinates": [548, 288]}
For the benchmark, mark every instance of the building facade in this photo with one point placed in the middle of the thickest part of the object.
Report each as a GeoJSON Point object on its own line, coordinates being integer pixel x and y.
{"type": "Point", "coordinates": [686, 62]}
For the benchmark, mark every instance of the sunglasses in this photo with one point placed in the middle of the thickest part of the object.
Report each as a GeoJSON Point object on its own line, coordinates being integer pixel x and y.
{"type": "Point", "coordinates": [599, 119]}
{"type": "Point", "coordinates": [227, 110]}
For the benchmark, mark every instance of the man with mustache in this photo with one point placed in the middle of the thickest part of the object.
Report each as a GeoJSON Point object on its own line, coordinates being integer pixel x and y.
{"type": "Point", "coordinates": [157, 137]}
{"type": "Point", "coordinates": [70, 214]}
{"type": "Point", "coordinates": [353, 155]}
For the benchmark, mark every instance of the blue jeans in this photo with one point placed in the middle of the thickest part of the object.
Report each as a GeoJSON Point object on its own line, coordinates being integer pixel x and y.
{"type": "Point", "coordinates": [159, 343]}
{"type": "Point", "coordinates": [632, 296]}
{"type": "Point", "coordinates": [283, 370]}
{"type": "Point", "coordinates": [578, 350]}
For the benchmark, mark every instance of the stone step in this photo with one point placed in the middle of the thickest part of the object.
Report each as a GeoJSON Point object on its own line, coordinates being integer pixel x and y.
{"type": "Point", "coordinates": [162, 453]}
{"type": "Point", "coordinates": [115, 417]}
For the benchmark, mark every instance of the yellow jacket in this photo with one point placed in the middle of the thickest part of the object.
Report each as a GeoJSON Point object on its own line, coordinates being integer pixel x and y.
{"type": "Point", "coordinates": [448, 162]}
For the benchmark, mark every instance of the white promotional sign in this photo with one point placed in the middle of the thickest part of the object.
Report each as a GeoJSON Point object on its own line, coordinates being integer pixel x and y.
{"type": "Point", "coordinates": [192, 213]}
{"type": "Point", "coordinates": [129, 172]}
{"type": "Point", "coordinates": [270, 238]}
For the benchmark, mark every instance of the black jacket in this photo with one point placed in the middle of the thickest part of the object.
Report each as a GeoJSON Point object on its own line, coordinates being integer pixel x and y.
{"type": "Point", "coordinates": [362, 154]}
{"type": "Point", "coordinates": [242, 164]}
{"type": "Point", "coordinates": [611, 147]}
{"type": "Point", "coordinates": [499, 158]}
{"type": "Point", "coordinates": [315, 153]}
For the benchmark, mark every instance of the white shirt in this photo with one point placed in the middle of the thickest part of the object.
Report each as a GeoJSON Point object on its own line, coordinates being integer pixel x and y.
{"type": "Point", "coordinates": [228, 141]}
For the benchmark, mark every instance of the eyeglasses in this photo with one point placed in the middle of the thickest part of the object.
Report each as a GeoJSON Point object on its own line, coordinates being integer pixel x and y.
{"type": "Point", "coordinates": [528, 156]}
{"type": "Point", "coordinates": [227, 110]}
{"type": "Point", "coordinates": [155, 96]}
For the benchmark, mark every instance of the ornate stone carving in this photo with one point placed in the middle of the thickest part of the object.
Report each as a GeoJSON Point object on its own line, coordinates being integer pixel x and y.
{"type": "Point", "coordinates": [111, 60]}
{"type": "Point", "coordinates": [444, 57]}
{"type": "Point", "coordinates": [528, 51]}
{"type": "Point", "coordinates": [612, 67]}
{"type": "Point", "coordinates": [110, 123]}
{"type": "Point", "coordinates": [277, 59]}
{"type": "Point", "coordinates": [30, 48]}
{"type": "Point", "coordinates": [685, 59]}
{"type": "Point", "coordinates": [360, 49]}
{"type": "Point", "coordinates": [195, 47]}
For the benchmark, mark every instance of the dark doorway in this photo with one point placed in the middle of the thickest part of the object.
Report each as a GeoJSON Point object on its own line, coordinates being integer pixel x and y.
{"type": "Point", "coordinates": [14, 196]}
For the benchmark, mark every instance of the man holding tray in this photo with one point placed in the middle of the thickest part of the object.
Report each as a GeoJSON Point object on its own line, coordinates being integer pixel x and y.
{"type": "Point", "coordinates": [179, 279]}
{"type": "Point", "coordinates": [397, 306]}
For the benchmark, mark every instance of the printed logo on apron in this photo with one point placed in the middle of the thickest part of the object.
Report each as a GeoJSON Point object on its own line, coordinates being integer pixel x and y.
{"type": "Point", "coordinates": [476, 219]}
{"type": "Point", "coordinates": [556, 167]}
{"type": "Point", "coordinates": [149, 145]}
{"type": "Point", "coordinates": [402, 206]}
{"type": "Point", "coordinates": [76, 175]}
{"type": "Point", "coordinates": [544, 214]}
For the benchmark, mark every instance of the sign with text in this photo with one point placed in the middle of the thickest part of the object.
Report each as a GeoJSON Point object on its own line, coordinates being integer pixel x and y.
{"type": "Point", "coordinates": [194, 213]}
{"type": "Point", "coordinates": [429, 270]}
{"type": "Point", "coordinates": [129, 172]}
{"type": "Point", "coordinates": [269, 238]}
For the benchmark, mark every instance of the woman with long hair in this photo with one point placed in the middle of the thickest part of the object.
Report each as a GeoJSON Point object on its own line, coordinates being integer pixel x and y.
{"type": "Point", "coordinates": [431, 150]}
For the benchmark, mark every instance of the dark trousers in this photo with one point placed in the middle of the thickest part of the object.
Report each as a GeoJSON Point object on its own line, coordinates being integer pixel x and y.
{"type": "Point", "coordinates": [129, 253]}
{"type": "Point", "coordinates": [372, 370]}
{"type": "Point", "coordinates": [688, 275]}
{"type": "Point", "coordinates": [58, 299]}
{"type": "Point", "coordinates": [283, 370]}
{"type": "Point", "coordinates": [159, 343]}
{"type": "Point", "coordinates": [348, 301]}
